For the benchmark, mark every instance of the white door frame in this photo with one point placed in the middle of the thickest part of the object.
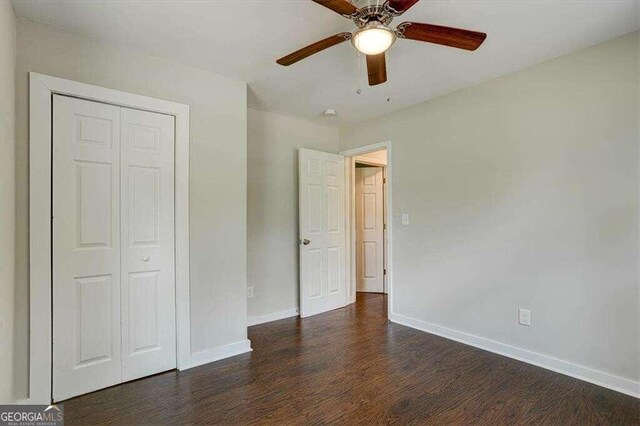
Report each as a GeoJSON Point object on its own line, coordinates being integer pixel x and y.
{"type": "Point", "coordinates": [41, 89]}
{"type": "Point", "coordinates": [370, 162]}
{"type": "Point", "coordinates": [349, 163]}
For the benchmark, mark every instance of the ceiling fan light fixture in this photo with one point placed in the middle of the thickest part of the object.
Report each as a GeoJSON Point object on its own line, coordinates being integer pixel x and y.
{"type": "Point", "coordinates": [373, 39]}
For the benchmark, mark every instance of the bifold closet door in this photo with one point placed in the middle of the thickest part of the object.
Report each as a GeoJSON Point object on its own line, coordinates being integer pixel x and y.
{"type": "Point", "coordinates": [147, 238]}
{"type": "Point", "coordinates": [113, 245]}
{"type": "Point", "coordinates": [86, 247]}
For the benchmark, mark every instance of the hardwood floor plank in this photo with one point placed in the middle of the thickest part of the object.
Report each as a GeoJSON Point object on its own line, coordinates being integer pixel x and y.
{"type": "Point", "coordinates": [351, 366]}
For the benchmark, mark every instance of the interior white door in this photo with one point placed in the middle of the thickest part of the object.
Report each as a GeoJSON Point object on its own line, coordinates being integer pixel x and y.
{"type": "Point", "coordinates": [113, 245]}
{"type": "Point", "coordinates": [369, 229]}
{"type": "Point", "coordinates": [322, 232]}
{"type": "Point", "coordinates": [86, 246]}
{"type": "Point", "coordinates": [147, 235]}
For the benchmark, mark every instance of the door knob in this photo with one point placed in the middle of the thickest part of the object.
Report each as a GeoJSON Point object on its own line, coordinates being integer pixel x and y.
{"type": "Point", "coordinates": [305, 242]}
{"type": "Point", "coordinates": [145, 259]}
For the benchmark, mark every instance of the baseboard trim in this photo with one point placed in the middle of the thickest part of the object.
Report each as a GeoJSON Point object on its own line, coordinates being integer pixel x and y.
{"type": "Point", "coordinates": [275, 316]}
{"type": "Point", "coordinates": [600, 378]}
{"type": "Point", "coordinates": [197, 359]}
{"type": "Point", "coordinates": [217, 353]}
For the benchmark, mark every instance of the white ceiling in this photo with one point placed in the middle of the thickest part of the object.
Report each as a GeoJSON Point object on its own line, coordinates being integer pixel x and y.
{"type": "Point", "coordinates": [241, 39]}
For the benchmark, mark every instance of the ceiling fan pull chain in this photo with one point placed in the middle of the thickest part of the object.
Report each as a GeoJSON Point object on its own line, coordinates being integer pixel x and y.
{"type": "Point", "coordinates": [359, 73]}
{"type": "Point", "coordinates": [389, 90]}
{"type": "Point", "coordinates": [388, 85]}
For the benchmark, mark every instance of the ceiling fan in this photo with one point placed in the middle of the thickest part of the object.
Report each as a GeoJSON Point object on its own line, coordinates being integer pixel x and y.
{"type": "Point", "coordinates": [374, 36]}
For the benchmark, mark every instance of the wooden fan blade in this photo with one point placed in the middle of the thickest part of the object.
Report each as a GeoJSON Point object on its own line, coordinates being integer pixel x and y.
{"type": "Point", "coordinates": [377, 69]}
{"type": "Point", "coordinates": [313, 48]}
{"type": "Point", "coordinates": [453, 37]}
{"type": "Point", "coordinates": [401, 6]}
{"type": "Point", "coordinates": [343, 7]}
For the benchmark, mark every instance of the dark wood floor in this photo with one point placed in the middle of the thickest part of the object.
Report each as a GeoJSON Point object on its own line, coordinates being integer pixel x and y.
{"type": "Point", "coordinates": [351, 366]}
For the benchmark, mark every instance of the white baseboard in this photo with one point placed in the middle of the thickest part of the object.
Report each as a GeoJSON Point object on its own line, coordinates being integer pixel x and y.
{"type": "Point", "coordinates": [261, 319]}
{"type": "Point", "coordinates": [217, 353]}
{"type": "Point", "coordinates": [587, 374]}
{"type": "Point", "coordinates": [197, 359]}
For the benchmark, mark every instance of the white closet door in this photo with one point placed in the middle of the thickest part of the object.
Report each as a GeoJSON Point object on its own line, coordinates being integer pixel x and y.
{"type": "Point", "coordinates": [322, 232]}
{"type": "Point", "coordinates": [113, 245]}
{"type": "Point", "coordinates": [86, 247]}
{"type": "Point", "coordinates": [147, 234]}
{"type": "Point", "coordinates": [369, 229]}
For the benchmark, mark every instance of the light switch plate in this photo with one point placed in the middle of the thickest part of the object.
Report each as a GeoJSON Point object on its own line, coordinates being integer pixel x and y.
{"type": "Point", "coordinates": [405, 219]}
{"type": "Point", "coordinates": [524, 317]}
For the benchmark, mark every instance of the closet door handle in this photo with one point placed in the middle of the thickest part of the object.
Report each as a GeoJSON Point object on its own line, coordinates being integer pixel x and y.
{"type": "Point", "coordinates": [145, 259]}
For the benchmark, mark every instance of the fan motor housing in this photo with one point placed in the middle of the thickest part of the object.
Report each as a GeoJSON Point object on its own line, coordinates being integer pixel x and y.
{"type": "Point", "coordinates": [371, 10]}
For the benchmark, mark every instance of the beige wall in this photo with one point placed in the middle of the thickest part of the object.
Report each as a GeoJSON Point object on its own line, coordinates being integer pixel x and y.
{"type": "Point", "coordinates": [523, 192]}
{"type": "Point", "coordinates": [272, 160]}
{"type": "Point", "coordinates": [7, 195]}
{"type": "Point", "coordinates": [217, 165]}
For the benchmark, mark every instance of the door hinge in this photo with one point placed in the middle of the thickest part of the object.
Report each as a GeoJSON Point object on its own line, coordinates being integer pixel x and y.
{"type": "Point", "coordinates": [385, 271]}
{"type": "Point", "coordinates": [384, 226]}
{"type": "Point", "coordinates": [384, 180]}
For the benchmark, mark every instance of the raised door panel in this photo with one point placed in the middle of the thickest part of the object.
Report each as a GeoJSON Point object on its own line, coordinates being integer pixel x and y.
{"type": "Point", "coordinates": [93, 204]}
{"type": "Point", "coordinates": [144, 206]}
{"type": "Point", "coordinates": [314, 207]}
{"type": "Point", "coordinates": [86, 247]}
{"type": "Point", "coordinates": [93, 321]}
{"type": "Point", "coordinates": [333, 270]}
{"type": "Point", "coordinates": [144, 312]}
{"type": "Point", "coordinates": [369, 259]}
{"type": "Point", "coordinates": [314, 273]}
{"type": "Point", "coordinates": [94, 130]}
{"type": "Point", "coordinates": [334, 214]}
{"type": "Point", "coordinates": [369, 211]}
{"type": "Point", "coordinates": [147, 232]}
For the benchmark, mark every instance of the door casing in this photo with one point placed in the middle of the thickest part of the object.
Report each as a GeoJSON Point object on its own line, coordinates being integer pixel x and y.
{"type": "Point", "coordinates": [41, 89]}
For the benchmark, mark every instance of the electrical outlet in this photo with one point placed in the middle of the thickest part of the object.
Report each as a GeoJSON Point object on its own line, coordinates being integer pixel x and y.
{"type": "Point", "coordinates": [524, 317]}
{"type": "Point", "coordinates": [249, 292]}
{"type": "Point", "coordinates": [405, 219]}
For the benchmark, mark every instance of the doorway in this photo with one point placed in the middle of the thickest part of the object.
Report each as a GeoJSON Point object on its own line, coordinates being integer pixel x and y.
{"type": "Point", "coordinates": [369, 225]}
{"type": "Point", "coordinates": [371, 221]}
{"type": "Point", "coordinates": [327, 228]}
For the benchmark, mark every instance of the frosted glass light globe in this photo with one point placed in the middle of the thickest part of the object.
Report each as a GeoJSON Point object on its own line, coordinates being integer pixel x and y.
{"type": "Point", "coordinates": [373, 39]}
